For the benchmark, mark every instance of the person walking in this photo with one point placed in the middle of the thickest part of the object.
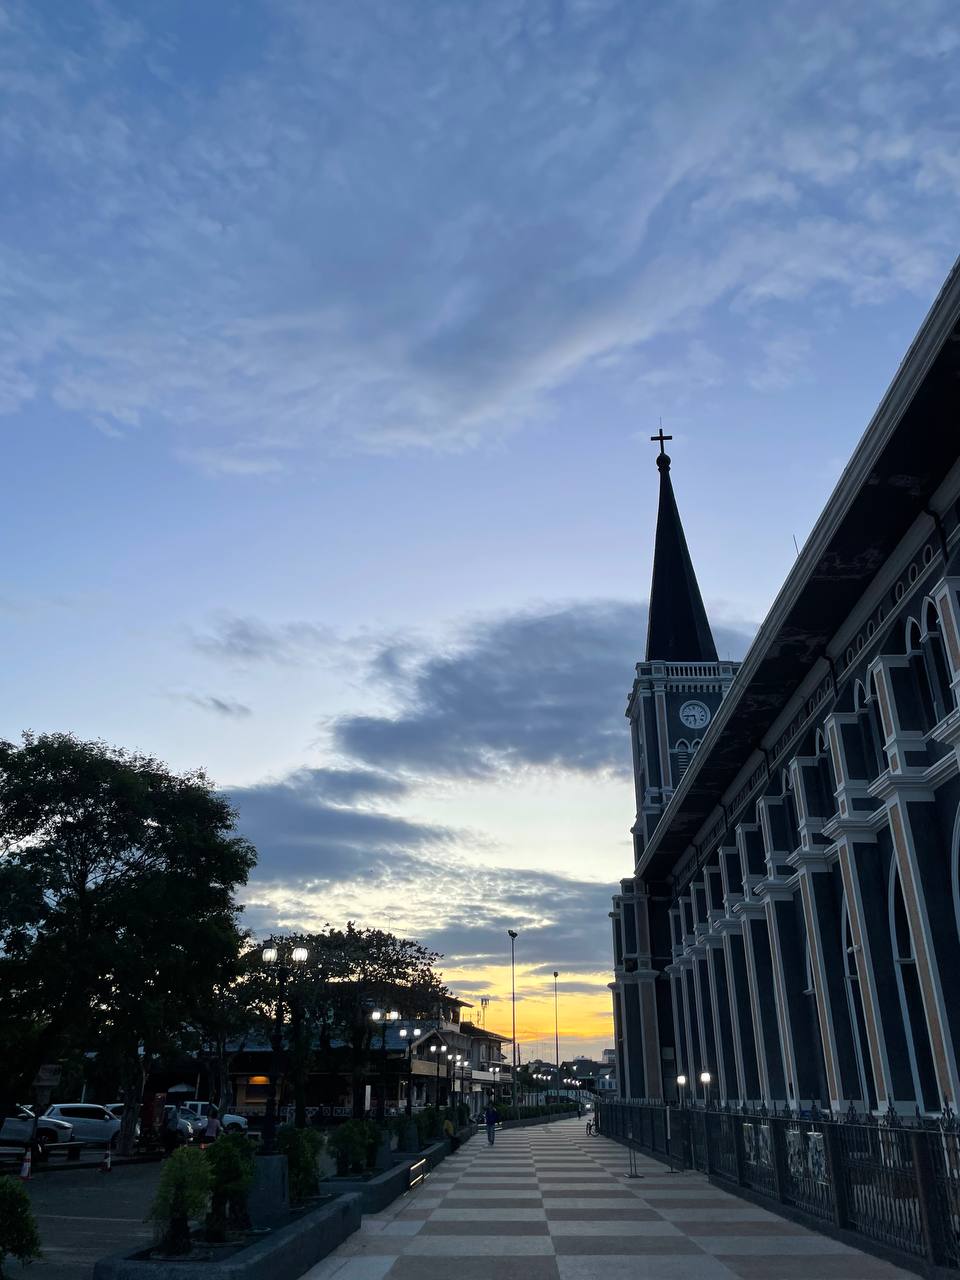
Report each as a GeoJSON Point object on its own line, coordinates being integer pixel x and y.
{"type": "Point", "coordinates": [491, 1117]}
{"type": "Point", "coordinates": [170, 1133]}
{"type": "Point", "coordinates": [214, 1127]}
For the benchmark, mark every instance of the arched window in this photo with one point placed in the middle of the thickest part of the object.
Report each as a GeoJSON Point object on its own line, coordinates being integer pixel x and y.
{"type": "Point", "coordinates": [682, 755]}
{"type": "Point", "coordinates": [826, 780]}
{"type": "Point", "coordinates": [790, 814]}
{"type": "Point", "coordinates": [916, 710]}
{"type": "Point", "coordinates": [869, 738]}
{"type": "Point", "coordinates": [935, 661]}
{"type": "Point", "coordinates": [911, 999]}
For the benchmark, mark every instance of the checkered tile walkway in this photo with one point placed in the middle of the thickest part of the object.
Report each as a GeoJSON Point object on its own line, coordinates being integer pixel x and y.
{"type": "Point", "coordinates": [549, 1203]}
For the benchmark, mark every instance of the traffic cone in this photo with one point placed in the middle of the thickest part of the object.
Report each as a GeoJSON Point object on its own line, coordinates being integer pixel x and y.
{"type": "Point", "coordinates": [26, 1169]}
{"type": "Point", "coordinates": [106, 1164]}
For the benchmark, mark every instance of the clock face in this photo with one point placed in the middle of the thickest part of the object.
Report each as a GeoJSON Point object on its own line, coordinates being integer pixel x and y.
{"type": "Point", "coordinates": [695, 715]}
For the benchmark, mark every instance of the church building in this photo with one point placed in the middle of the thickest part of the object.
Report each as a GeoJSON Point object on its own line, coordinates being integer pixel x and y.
{"type": "Point", "coordinates": [792, 924]}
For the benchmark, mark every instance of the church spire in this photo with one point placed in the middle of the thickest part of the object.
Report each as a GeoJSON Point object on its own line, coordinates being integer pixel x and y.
{"type": "Point", "coordinates": [677, 628]}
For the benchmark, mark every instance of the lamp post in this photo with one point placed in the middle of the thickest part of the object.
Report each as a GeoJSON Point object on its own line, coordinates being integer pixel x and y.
{"type": "Point", "coordinates": [271, 956]}
{"type": "Point", "coordinates": [705, 1081]}
{"type": "Point", "coordinates": [681, 1085]}
{"type": "Point", "coordinates": [512, 934]}
{"type": "Point", "coordinates": [495, 1071]}
{"type": "Point", "coordinates": [383, 1018]}
{"type": "Point", "coordinates": [435, 1049]}
{"type": "Point", "coordinates": [409, 1034]}
{"type": "Point", "coordinates": [556, 1017]}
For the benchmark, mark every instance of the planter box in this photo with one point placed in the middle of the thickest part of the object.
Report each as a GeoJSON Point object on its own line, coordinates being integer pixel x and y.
{"type": "Point", "coordinates": [285, 1254]}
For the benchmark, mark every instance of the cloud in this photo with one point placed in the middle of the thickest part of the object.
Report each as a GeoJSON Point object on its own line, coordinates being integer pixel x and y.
{"type": "Point", "coordinates": [248, 640]}
{"type": "Point", "coordinates": [369, 225]}
{"type": "Point", "coordinates": [329, 851]}
{"type": "Point", "coordinates": [220, 706]}
{"type": "Point", "coordinates": [543, 689]}
{"type": "Point", "coordinates": [307, 833]}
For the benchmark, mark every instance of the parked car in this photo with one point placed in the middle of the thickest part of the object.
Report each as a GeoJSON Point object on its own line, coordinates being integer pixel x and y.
{"type": "Point", "coordinates": [231, 1123]}
{"type": "Point", "coordinates": [16, 1130]}
{"type": "Point", "coordinates": [93, 1124]}
{"type": "Point", "coordinates": [116, 1109]}
{"type": "Point", "coordinates": [185, 1122]}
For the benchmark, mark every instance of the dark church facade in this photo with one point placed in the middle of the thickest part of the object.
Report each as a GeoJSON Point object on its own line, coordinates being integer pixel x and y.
{"type": "Point", "coordinates": [792, 924]}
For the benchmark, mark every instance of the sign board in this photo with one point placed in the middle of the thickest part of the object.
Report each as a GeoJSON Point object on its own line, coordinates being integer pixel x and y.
{"type": "Point", "coordinates": [47, 1077]}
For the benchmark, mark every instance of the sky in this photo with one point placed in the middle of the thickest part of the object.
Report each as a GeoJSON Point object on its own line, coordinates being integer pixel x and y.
{"type": "Point", "coordinates": [332, 338]}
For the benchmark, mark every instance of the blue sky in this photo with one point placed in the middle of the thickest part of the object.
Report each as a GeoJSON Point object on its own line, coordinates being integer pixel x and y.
{"type": "Point", "coordinates": [332, 338]}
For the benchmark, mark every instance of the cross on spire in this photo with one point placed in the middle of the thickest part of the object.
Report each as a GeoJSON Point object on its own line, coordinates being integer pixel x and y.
{"type": "Point", "coordinates": [661, 438]}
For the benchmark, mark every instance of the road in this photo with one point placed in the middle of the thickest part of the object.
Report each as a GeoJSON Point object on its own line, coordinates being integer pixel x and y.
{"type": "Point", "coordinates": [85, 1215]}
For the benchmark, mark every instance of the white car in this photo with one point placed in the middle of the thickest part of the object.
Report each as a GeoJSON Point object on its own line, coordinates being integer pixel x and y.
{"type": "Point", "coordinates": [116, 1109]}
{"type": "Point", "coordinates": [93, 1124]}
{"type": "Point", "coordinates": [200, 1110]}
{"type": "Point", "coordinates": [17, 1130]}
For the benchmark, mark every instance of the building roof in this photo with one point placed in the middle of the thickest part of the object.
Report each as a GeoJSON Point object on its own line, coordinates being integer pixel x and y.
{"type": "Point", "coordinates": [904, 455]}
{"type": "Point", "coordinates": [480, 1033]}
{"type": "Point", "coordinates": [677, 626]}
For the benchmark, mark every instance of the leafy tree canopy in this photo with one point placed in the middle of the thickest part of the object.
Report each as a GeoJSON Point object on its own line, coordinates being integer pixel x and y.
{"type": "Point", "coordinates": [117, 914]}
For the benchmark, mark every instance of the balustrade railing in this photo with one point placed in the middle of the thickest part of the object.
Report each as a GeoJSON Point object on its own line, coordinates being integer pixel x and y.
{"type": "Point", "coordinates": [895, 1186]}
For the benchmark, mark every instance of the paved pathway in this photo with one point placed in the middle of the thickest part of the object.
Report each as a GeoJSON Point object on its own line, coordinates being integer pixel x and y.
{"type": "Point", "coordinates": [549, 1203]}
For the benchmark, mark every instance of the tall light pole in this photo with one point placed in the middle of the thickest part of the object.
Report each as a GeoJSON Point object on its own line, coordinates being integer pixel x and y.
{"type": "Point", "coordinates": [556, 1017]}
{"type": "Point", "coordinates": [436, 1088]}
{"type": "Point", "coordinates": [271, 954]}
{"type": "Point", "coordinates": [512, 933]}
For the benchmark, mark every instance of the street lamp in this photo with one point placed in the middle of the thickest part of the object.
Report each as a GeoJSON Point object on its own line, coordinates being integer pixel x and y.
{"type": "Point", "coordinates": [381, 1017]}
{"type": "Point", "coordinates": [681, 1085]}
{"type": "Point", "coordinates": [512, 934]}
{"type": "Point", "coordinates": [270, 955]}
{"type": "Point", "coordinates": [556, 1016]}
{"type": "Point", "coordinates": [705, 1081]}
{"type": "Point", "coordinates": [409, 1034]}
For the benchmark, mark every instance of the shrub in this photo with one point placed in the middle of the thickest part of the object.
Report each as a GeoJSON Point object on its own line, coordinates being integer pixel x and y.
{"type": "Point", "coordinates": [182, 1197]}
{"type": "Point", "coordinates": [18, 1227]}
{"type": "Point", "coordinates": [352, 1142]}
{"type": "Point", "coordinates": [230, 1159]}
{"type": "Point", "coordinates": [302, 1148]}
{"type": "Point", "coordinates": [428, 1123]}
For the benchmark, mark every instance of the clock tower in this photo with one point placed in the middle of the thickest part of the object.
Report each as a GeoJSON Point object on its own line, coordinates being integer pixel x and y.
{"type": "Point", "coordinates": [678, 688]}
{"type": "Point", "coordinates": [680, 683]}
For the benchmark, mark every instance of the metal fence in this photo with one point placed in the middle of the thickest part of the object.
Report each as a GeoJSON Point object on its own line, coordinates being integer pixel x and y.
{"type": "Point", "coordinates": [895, 1186]}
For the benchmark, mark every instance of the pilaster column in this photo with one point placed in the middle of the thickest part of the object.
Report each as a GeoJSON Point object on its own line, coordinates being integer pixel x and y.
{"type": "Point", "coordinates": [810, 866]}
{"type": "Point", "coordinates": [759, 968]}
{"type": "Point", "coordinates": [704, 1011]}
{"type": "Point", "coordinates": [900, 809]}
{"type": "Point", "coordinates": [727, 1074]}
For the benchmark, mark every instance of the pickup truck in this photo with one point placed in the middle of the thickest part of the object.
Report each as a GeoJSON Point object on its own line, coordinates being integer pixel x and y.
{"type": "Point", "coordinates": [230, 1122]}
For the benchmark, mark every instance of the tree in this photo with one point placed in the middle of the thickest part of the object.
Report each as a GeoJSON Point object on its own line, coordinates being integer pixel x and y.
{"type": "Point", "coordinates": [19, 1237]}
{"type": "Point", "coordinates": [232, 1011]}
{"type": "Point", "coordinates": [352, 971]}
{"type": "Point", "coordinates": [117, 914]}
